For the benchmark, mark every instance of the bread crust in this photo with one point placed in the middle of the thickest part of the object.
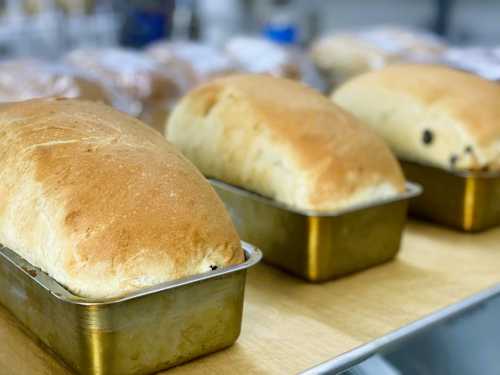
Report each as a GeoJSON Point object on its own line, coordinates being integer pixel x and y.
{"type": "Point", "coordinates": [103, 203]}
{"type": "Point", "coordinates": [285, 141]}
{"type": "Point", "coordinates": [430, 114]}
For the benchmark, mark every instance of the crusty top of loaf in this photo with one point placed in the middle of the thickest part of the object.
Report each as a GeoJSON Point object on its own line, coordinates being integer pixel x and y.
{"type": "Point", "coordinates": [102, 202]}
{"type": "Point", "coordinates": [459, 110]}
{"type": "Point", "coordinates": [284, 140]}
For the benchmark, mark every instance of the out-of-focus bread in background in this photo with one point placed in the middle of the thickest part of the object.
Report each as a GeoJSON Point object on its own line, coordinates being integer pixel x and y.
{"type": "Point", "coordinates": [153, 88]}
{"type": "Point", "coordinates": [258, 55]}
{"type": "Point", "coordinates": [343, 55]}
{"type": "Point", "coordinates": [282, 139]}
{"type": "Point", "coordinates": [483, 61]}
{"type": "Point", "coordinates": [200, 62]}
{"type": "Point", "coordinates": [30, 78]}
{"type": "Point", "coordinates": [430, 114]}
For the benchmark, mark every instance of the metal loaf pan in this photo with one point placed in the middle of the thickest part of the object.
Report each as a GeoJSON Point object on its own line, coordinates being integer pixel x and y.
{"type": "Point", "coordinates": [318, 246]}
{"type": "Point", "coordinates": [469, 201]}
{"type": "Point", "coordinates": [140, 333]}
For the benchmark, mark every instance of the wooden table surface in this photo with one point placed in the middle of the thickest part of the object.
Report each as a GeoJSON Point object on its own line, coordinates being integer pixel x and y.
{"type": "Point", "coordinates": [290, 325]}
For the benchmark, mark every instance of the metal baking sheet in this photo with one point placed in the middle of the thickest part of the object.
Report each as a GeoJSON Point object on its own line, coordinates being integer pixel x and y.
{"type": "Point", "coordinates": [318, 246]}
{"type": "Point", "coordinates": [373, 352]}
{"type": "Point", "coordinates": [139, 333]}
{"type": "Point", "coordinates": [469, 201]}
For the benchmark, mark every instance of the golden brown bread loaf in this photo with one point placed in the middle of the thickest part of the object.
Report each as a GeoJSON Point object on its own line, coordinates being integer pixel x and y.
{"type": "Point", "coordinates": [103, 203]}
{"type": "Point", "coordinates": [430, 114]}
{"type": "Point", "coordinates": [285, 141]}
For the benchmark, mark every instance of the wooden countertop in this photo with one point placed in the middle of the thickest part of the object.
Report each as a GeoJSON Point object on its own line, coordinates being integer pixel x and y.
{"type": "Point", "coordinates": [290, 325]}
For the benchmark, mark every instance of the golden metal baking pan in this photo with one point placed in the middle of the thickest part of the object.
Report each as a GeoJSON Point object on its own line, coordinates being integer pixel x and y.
{"type": "Point", "coordinates": [140, 333]}
{"type": "Point", "coordinates": [318, 246]}
{"type": "Point", "coordinates": [469, 201]}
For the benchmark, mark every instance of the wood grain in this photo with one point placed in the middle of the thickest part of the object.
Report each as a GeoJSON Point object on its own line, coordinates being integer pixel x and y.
{"type": "Point", "coordinates": [290, 325]}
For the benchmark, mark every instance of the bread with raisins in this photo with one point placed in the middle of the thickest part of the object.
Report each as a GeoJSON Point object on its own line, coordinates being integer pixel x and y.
{"type": "Point", "coordinates": [429, 114]}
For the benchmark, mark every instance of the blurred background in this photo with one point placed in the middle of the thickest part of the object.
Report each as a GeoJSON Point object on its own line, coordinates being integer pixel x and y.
{"type": "Point", "coordinates": [142, 56]}
{"type": "Point", "coordinates": [50, 27]}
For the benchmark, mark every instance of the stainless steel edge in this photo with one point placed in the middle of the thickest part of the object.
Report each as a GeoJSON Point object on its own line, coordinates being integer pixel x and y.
{"type": "Point", "coordinates": [411, 190]}
{"type": "Point", "coordinates": [252, 257]}
{"type": "Point", "coordinates": [347, 360]}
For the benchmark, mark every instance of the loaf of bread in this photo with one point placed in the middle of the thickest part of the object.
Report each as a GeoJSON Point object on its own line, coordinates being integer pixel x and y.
{"type": "Point", "coordinates": [153, 88]}
{"type": "Point", "coordinates": [259, 55]}
{"type": "Point", "coordinates": [135, 73]}
{"type": "Point", "coordinates": [30, 78]}
{"type": "Point", "coordinates": [343, 55]}
{"type": "Point", "coordinates": [202, 62]}
{"type": "Point", "coordinates": [102, 203]}
{"type": "Point", "coordinates": [430, 114]}
{"type": "Point", "coordinates": [283, 140]}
